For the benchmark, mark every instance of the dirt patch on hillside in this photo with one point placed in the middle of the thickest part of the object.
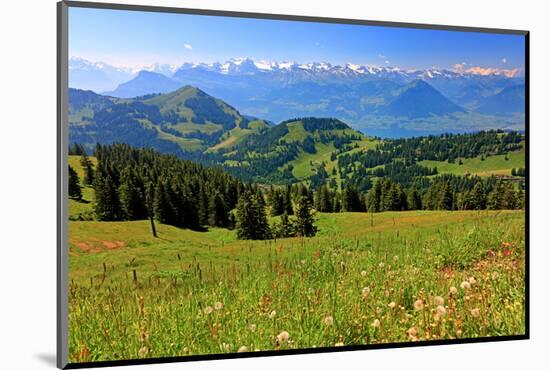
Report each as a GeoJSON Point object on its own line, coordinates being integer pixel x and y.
{"type": "Point", "coordinates": [98, 246]}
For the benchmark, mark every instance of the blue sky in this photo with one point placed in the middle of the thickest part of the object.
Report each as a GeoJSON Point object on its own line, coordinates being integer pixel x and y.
{"type": "Point", "coordinates": [132, 38]}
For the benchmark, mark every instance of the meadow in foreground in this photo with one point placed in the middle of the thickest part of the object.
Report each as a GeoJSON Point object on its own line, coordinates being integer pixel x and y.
{"type": "Point", "coordinates": [364, 279]}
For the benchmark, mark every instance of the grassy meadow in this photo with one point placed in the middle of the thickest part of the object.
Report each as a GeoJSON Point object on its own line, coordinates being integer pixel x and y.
{"type": "Point", "coordinates": [364, 279]}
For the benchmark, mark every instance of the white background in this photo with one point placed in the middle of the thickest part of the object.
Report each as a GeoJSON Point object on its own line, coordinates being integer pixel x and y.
{"type": "Point", "coordinates": [28, 181]}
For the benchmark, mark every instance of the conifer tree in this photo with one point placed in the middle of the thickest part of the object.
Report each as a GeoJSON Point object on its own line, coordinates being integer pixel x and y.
{"type": "Point", "coordinates": [217, 211]}
{"type": "Point", "coordinates": [304, 218]}
{"type": "Point", "coordinates": [75, 190]}
{"type": "Point", "coordinates": [131, 198]}
{"type": "Point", "coordinates": [107, 205]}
{"type": "Point", "coordinates": [477, 197]}
{"type": "Point", "coordinates": [88, 167]}
{"type": "Point", "coordinates": [414, 200]}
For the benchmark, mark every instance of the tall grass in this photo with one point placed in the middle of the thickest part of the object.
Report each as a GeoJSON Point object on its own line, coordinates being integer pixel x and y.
{"type": "Point", "coordinates": [456, 280]}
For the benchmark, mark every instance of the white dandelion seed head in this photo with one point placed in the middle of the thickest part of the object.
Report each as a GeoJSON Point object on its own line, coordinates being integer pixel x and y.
{"type": "Point", "coordinates": [475, 312]}
{"type": "Point", "coordinates": [363, 273]}
{"type": "Point", "coordinates": [376, 323]}
{"type": "Point", "coordinates": [465, 285]}
{"type": "Point", "coordinates": [283, 336]}
{"type": "Point", "coordinates": [208, 310]}
{"type": "Point", "coordinates": [391, 305]}
{"type": "Point", "coordinates": [453, 290]}
{"type": "Point", "coordinates": [218, 306]}
{"type": "Point", "coordinates": [328, 320]}
{"type": "Point", "coordinates": [272, 314]}
{"type": "Point", "coordinates": [439, 301]}
{"type": "Point", "coordinates": [418, 305]}
{"type": "Point", "coordinates": [441, 310]}
{"type": "Point", "coordinates": [472, 280]}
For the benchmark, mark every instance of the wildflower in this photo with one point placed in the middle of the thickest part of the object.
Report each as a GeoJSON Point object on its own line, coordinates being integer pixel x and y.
{"type": "Point", "coordinates": [439, 301]}
{"type": "Point", "coordinates": [376, 323]}
{"type": "Point", "coordinates": [252, 327]}
{"type": "Point", "coordinates": [339, 344]}
{"type": "Point", "coordinates": [365, 292]}
{"type": "Point", "coordinates": [143, 351]}
{"type": "Point", "coordinates": [381, 265]}
{"type": "Point", "coordinates": [242, 349]}
{"type": "Point", "coordinates": [363, 273]}
{"type": "Point", "coordinates": [465, 285]}
{"type": "Point", "coordinates": [391, 305]}
{"type": "Point", "coordinates": [272, 314]}
{"type": "Point", "coordinates": [472, 280]}
{"type": "Point", "coordinates": [418, 305]}
{"type": "Point", "coordinates": [185, 350]}
{"type": "Point", "coordinates": [283, 336]}
{"type": "Point", "coordinates": [328, 320]}
{"type": "Point", "coordinates": [441, 310]}
{"type": "Point", "coordinates": [412, 333]}
{"type": "Point", "coordinates": [453, 290]}
{"type": "Point", "coordinates": [395, 258]}
{"type": "Point", "coordinates": [475, 312]}
{"type": "Point", "coordinates": [218, 306]}
{"type": "Point", "coordinates": [208, 310]}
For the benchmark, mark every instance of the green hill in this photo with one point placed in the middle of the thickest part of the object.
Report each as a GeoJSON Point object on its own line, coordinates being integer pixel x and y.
{"type": "Point", "coordinates": [183, 121]}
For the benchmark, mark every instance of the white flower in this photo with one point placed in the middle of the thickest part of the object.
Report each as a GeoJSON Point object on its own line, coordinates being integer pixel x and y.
{"type": "Point", "coordinates": [363, 273]}
{"type": "Point", "coordinates": [439, 301]}
{"type": "Point", "coordinates": [365, 292]}
{"type": "Point", "coordinates": [208, 310]}
{"type": "Point", "coordinates": [283, 336]}
{"type": "Point", "coordinates": [376, 323]}
{"type": "Point", "coordinates": [391, 305]}
{"type": "Point", "coordinates": [418, 305]}
{"type": "Point", "coordinates": [472, 280]}
{"type": "Point", "coordinates": [252, 327]}
{"type": "Point", "coordinates": [381, 265]}
{"type": "Point", "coordinates": [218, 306]}
{"type": "Point", "coordinates": [242, 349]}
{"type": "Point", "coordinates": [272, 314]}
{"type": "Point", "coordinates": [453, 290]}
{"type": "Point", "coordinates": [475, 312]}
{"type": "Point", "coordinates": [465, 285]}
{"type": "Point", "coordinates": [328, 320]}
{"type": "Point", "coordinates": [441, 310]}
{"type": "Point", "coordinates": [395, 258]}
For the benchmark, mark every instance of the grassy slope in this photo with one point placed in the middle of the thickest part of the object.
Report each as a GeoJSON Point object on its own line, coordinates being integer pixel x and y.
{"type": "Point", "coordinates": [493, 165]}
{"type": "Point", "coordinates": [405, 256]}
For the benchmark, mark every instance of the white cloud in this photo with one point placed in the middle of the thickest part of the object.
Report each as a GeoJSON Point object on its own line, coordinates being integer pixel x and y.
{"type": "Point", "coordinates": [381, 56]}
{"type": "Point", "coordinates": [387, 62]}
{"type": "Point", "coordinates": [188, 46]}
{"type": "Point", "coordinates": [504, 60]}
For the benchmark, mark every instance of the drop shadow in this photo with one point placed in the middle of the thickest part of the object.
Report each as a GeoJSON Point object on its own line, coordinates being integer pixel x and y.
{"type": "Point", "coordinates": [47, 358]}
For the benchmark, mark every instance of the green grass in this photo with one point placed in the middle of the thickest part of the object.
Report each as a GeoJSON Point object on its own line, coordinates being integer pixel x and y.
{"type": "Point", "coordinates": [188, 293]}
{"type": "Point", "coordinates": [85, 206]}
{"type": "Point", "coordinates": [492, 165]}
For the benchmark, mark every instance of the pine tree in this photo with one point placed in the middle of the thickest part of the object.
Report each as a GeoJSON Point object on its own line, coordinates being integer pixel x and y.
{"type": "Point", "coordinates": [446, 197]}
{"type": "Point", "coordinates": [164, 212]}
{"type": "Point", "coordinates": [304, 218]}
{"type": "Point", "coordinates": [75, 191]}
{"type": "Point", "coordinates": [149, 200]}
{"type": "Point", "coordinates": [477, 197]}
{"type": "Point", "coordinates": [374, 197]}
{"type": "Point", "coordinates": [251, 218]}
{"type": "Point", "coordinates": [131, 198]}
{"type": "Point", "coordinates": [88, 167]}
{"type": "Point", "coordinates": [414, 200]}
{"type": "Point", "coordinates": [217, 211]}
{"type": "Point", "coordinates": [107, 205]}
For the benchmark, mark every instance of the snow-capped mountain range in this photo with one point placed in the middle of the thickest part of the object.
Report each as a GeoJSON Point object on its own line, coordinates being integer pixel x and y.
{"type": "Point", "coordinates": [99, 76]}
